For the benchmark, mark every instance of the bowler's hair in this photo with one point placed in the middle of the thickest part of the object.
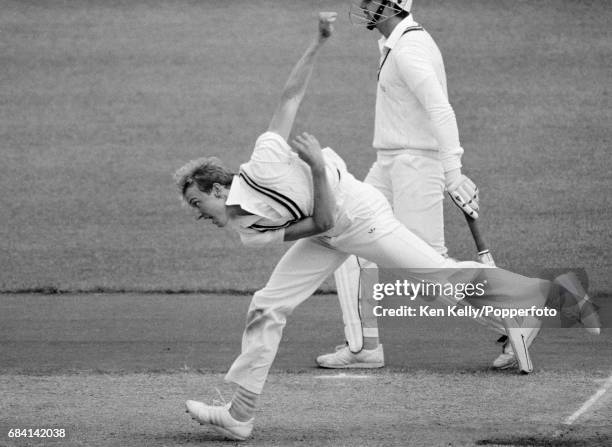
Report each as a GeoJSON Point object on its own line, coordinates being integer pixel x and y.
{"type": "Point", "coordinates": [204, 172]}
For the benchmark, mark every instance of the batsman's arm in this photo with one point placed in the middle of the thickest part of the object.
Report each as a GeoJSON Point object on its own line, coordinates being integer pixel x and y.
{"type": "Point", "coordinates": [417, 72]}
{"type": "Point", "coordinates": [295, 87]}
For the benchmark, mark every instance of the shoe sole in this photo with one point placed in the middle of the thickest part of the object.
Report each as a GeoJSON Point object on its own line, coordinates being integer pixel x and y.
{"type": "Point", "coordinates": [512, 364]}
{"type": "Point", "coordinates": [222, 431]}
{"type": "Point", "coordinates": [354, 366]}
{"type": "Point", "coordinates": [228, 434]}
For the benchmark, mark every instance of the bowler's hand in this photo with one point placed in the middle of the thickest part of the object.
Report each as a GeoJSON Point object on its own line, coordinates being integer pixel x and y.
{"type": "Point", "coordinates": [463, 192]}
{"type": "Point", "coordinates": [309, 150]}
{"type": "Point", "coordinates": [326, 27]}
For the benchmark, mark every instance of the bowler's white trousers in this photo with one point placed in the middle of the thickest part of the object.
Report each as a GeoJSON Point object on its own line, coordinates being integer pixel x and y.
{"type": "Point", "coordinates": [365, 226]}
{"type": "Point", "coordinates": [412, 180]}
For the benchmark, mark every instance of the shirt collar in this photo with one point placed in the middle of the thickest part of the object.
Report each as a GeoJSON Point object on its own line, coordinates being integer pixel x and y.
{"type": "Point", "coordinates": [243, 195]}
{"type": "Point", "coordinates": [398, 31]}
{"type": "Point", "coordinates": [236, 193]}
{"type": "Point", "coordinates": [239, 194]}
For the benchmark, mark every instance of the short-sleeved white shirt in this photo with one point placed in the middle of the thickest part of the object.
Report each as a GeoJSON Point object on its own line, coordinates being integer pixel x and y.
{"type": "Point", "coordinates": [275, 186]}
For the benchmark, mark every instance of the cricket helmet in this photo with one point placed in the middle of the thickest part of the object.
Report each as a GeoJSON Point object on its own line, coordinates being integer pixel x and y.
{"type": "Point", "coordinates": [406, 5]}
{"type": "Point", "coordinates": [370, 12]}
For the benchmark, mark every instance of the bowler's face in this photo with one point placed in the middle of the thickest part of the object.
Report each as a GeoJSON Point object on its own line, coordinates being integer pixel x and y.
{"type": "Point", "coordinates": [210, 206]}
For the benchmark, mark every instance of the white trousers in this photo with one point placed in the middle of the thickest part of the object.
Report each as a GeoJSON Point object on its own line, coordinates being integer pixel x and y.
{"type": "Point", "coordinates": [412, 181]}
{"type": "Point", "coordinates": [366, 228]}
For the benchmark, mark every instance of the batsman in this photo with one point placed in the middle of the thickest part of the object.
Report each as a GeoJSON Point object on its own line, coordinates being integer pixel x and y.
{"type": "Point", "coordinates": [418, 159]}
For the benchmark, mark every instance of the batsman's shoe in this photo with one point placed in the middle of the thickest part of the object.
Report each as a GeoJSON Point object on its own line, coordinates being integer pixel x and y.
{"type": "Point", "coordinates": [220, 419]}
{"type": "Point", "coordinates": [576, 304]}
{"type": "Point", "coordinates": [507, 359]}
{"type": "Point", "coordinates": [343, 358]}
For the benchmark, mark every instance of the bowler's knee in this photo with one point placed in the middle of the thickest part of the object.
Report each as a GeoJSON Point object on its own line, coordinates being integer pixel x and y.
{"type": "Point", "coordinates": [264, 310]}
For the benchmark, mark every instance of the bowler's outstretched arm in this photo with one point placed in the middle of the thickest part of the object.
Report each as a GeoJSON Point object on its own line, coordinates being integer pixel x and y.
{"type": "Point", "coordinates": [295, 87]}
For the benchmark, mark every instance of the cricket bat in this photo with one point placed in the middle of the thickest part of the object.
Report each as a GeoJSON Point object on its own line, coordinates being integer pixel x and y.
{"type": "Point", "coordinates": [484, 255]}
{"type": "Point", "coordinates": [514, 332]}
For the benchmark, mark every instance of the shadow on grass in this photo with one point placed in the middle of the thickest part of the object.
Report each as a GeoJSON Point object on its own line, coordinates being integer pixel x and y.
{"type": "Point", "coordinates": [549, 441]}
{"type": "Point", "coordinates": [205, 437]}
{"type": "Point", "coordinates": [262, 436]}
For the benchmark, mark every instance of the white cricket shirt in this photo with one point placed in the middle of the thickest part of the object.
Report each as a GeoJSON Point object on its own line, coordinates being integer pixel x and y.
{"type": "Point", "coordinates": [412, 107]}
{"type": "Point", "coordinates": [275, 186]}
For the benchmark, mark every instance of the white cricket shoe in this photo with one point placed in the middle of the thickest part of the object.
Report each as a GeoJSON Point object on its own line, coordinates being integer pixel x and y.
{"type": "Point", "coordinates": [220, 419]}
{"type": "Point", "coordinates": [507, 359]}
{"type": "Point", "coordinates": [576, 304]}
{"type": "Point", "coordinates": [343, 358]}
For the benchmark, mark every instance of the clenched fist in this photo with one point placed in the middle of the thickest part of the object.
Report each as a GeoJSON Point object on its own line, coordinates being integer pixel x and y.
{"type": "Point", "coordinates": [326, 20]}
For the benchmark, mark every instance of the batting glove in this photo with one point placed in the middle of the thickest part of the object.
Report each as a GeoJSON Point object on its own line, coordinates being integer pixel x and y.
{"type": "Point", "coordinates": [463, 192]}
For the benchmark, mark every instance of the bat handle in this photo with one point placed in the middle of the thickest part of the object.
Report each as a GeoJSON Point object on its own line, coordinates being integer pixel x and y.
{"type": "Point", "coordinates": [486, 258]}
{"type": "Point", "coordinates": [483, 251]}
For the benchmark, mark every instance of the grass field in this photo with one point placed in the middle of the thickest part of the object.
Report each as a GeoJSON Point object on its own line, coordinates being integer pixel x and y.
{"type": "Point", "coordinates": [395, 409]}
{"type": "Point", "coordinates": [102, 100]}
{"type": "Point", "coordinates": [116, 369]}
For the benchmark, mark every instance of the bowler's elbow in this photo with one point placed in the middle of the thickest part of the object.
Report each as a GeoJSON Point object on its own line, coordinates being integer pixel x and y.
{"type": "Point", "coordinates": [324, 224]}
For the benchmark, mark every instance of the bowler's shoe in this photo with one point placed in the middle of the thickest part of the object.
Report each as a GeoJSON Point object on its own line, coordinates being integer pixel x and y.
{"type": "Point", "coordinates": [220, 419]}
